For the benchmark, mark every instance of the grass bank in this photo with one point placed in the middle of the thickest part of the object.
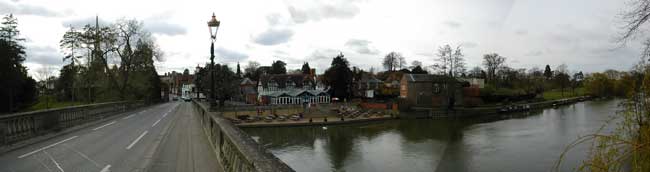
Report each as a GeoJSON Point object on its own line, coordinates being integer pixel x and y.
{"type": "Point", "coordinates": [556, 94]}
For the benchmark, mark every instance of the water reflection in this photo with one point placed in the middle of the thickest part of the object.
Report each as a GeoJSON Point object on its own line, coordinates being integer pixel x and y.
{"type": "Point", "coordinates": [520, 142]}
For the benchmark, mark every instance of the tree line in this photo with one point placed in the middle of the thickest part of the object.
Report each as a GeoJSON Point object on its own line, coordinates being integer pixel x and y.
{"type": "Point", "coordinates": [109, 63]}
{"type": "Point", "coordinates": [17, 89]}
{"type": "Point", "coordinates": [103, 63]}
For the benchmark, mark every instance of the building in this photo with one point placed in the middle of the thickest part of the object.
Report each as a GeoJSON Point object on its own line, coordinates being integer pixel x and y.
{"type": "Point", "coordinates": [248, 91]}
{"type": "Point", "coordinates": [179, 84]}
{"type": "Point", "coordinates": [474, 82]}
{"type": "Point", "coordinates": [368, 86]}
{"type": "Point", "coordinates": [290, 89]}
{"type": "Point", "coordinates": [391, 86]}
{"type": "Point", "coordinates": [430, 91]}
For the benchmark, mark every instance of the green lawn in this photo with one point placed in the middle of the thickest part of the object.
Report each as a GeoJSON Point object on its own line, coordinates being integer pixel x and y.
{"type": "Point", "coordinates": [53, 103]}
{"type": "Point", "coordinates": [557, 94]}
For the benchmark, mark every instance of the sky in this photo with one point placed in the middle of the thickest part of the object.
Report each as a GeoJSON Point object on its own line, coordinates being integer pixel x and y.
{"type": "Point", "coordinates": [529, 33]}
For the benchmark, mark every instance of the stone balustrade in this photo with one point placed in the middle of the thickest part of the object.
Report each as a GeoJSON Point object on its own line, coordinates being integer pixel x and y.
{"type": "Point", "coordinates": [235, 150]}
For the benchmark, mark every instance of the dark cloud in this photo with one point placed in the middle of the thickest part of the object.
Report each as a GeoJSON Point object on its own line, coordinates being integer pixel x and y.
{"type": "Point", "coordinates": [43, 55]}
{"type": "Point", "coordinates": [273, 36]}
{"type": "Point", "coordinates": [452, 24]}
{"type": "Point", "coordinates": [81, 22]}
{"type": "Point", "coordinates": [229, 56]}
{"type": "Point", "coordinates": [19, 8]}
{"type": "Point", "coordinates": [341, 10]}
{"type": "Point", "coordinates": [361, 46]}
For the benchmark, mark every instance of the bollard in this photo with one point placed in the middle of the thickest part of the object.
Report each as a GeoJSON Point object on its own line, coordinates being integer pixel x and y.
{"type": "Point", "coordinates": [325, 119]}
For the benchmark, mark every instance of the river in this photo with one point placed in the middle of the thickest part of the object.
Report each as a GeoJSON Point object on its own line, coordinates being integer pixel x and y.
{"type": "Point", "coordinates": [531, 141]}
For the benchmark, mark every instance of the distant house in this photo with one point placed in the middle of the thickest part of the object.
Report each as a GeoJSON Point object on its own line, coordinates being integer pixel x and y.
{"type": "Point", "coordinates": [391, 84]}
{"type": "Point", "coordinates": [474, 82]}
{"type": "Point", "coordinates": [425, 90]}
{"type": "Point", "coordinates": [248, 91]}
{"type": "Point", "coordinates": [290, 89]}
{"type": "Point", "coordinates": [368, 86]}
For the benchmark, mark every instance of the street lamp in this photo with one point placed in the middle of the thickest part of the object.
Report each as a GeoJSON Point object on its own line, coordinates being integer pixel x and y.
{"type": "Point", "coordinates": [213, 24]}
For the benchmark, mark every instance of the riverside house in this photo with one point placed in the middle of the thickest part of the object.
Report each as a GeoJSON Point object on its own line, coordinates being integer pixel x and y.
{"type": "Point", "coordinates": [290, 89]}
{"type": "Point", "coordinates": [430, 91]}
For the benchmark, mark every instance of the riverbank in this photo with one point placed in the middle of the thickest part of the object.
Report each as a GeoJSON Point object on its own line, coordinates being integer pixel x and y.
{"type": "Point", "coordinates": [328, 119]}
{"type": "Point", "coordinates": [316, 121]}
{"type": "Point", "coordinates": [491, 110]}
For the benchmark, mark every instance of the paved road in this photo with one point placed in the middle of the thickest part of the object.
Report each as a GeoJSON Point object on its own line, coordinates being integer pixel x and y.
{"type": "Point", "coordinates": [164, 136]}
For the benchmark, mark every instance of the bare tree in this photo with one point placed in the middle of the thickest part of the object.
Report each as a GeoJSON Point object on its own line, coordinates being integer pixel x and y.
{"type": "Point", "coordinates": [451, 61]}
{"type": "Point", "coordinates": [393, 60]}
{"type": "Point", "coordinates": [45, 75]}
{"type": "Point", "coordinates": [492, 63]}
{"type": "Point", "coordinates": [251, 67]}
{"type": "Point", "coordinates": [415, 63]}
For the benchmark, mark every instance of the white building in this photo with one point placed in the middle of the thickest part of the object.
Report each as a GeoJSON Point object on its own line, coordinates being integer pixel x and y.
{"type": "Point", "coordinates": [290, 89]}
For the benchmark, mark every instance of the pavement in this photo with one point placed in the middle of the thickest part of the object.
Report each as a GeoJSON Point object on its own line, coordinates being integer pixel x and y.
{"type": "Point", "coordinates": [164, 137]}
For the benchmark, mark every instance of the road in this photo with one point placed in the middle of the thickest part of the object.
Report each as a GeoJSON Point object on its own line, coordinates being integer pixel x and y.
{"type": "Point", "coordinates": [164, 137]}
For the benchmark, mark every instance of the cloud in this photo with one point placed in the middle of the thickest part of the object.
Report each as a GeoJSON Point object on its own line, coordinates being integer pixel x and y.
{"type": "Point", "coordinates": [361, 46]}
{"type": "Point", "coordinates": [535, 53]}
{"type": "Point", "coordinates": [43, 55]}
{"type": "Point", "coordinates": [228, 55]}
{"type": "Point", "coordinates": [164, 28]}
{"type": "Point", "coordinates": [19, 8]}
{"type": "Point", "coordinates": [521, 32]}
{"type": "Point", "coordinates": [469, 44]}
{"type": "Point", "coordinates": [159, 24]}
{"type": "Point", "coordinates": [81, 22]}
{"type": "Point", "coordinates": [273, 36]}
{"type": "Point", "coordinates": [337, 10]}
{"type": "Point", "coordinates": [274, 19]}
{"type": "Point", "coordinates": [452, 24]}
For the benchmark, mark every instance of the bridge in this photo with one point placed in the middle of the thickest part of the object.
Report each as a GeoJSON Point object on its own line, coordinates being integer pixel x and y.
{"type": "Point", "coordinates": [129, 136]}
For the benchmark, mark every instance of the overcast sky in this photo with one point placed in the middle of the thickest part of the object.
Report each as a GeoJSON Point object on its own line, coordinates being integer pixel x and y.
{"type": "Point", "coordinates": [530, 33]}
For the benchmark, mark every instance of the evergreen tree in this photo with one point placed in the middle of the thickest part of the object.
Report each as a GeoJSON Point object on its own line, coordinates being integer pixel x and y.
{"type": "Point", "coordinates": [17, 89]}
{"type": "Point", "coordinates": [305, 68]}
{"type": "Point", "coordinates": [239, 75]}
{"type": "Point", "coordinates": [278, 67]}
{"type": "Point", "coordinates": [339, 77]}
{"type": "Point", "coordinates": [548, 73]}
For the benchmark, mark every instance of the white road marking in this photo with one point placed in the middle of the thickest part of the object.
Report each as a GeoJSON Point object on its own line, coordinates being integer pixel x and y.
{"type": "Point", "coordinates": [43, 164]}
{"type": "Point", "coordinates": [127, 117]}
{"type": "Point", "coordinates": [81, 154]}
{"type": "Point", "coordinates": [100, 127]}
{"type": "Point", "coordinates": [136, 140]}
{"type": "Point", "coordinates": [154, 124]}
{"type": "Point", "coordinates": [55, 163]}
{"type": "Point", "coordinates": [46, 147]}
{"type": "Point", "coordinates": [106, 169]}
{"type": "Point", "coordinates": [165, 115]}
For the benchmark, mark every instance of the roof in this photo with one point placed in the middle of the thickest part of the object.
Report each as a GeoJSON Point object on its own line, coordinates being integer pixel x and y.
{"type": "Point", "coordinates": [246, 81]}
{"type": "Point", "coordinates": [249, 90]}
{"type": "Point", "coordinates": [370, 79]}
{"type": "Point", "coordinates": [424, 77]}
{"type": "Point", "coordinates": [282, 79]}
{"type": "Point", "coordinates": [296, 93]}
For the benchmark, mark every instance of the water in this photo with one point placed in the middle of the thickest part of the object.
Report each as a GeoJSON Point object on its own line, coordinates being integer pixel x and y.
{"type": "Point", "coordinates": [530, 141]}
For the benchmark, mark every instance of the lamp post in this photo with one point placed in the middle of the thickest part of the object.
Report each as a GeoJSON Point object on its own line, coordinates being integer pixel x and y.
{"type": "Point", "coordinates": [213, 24]}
